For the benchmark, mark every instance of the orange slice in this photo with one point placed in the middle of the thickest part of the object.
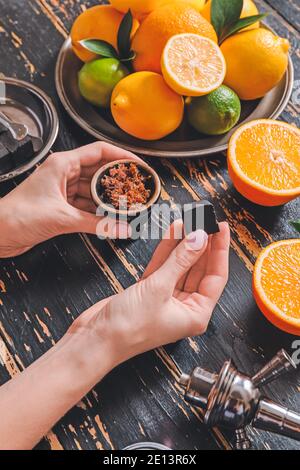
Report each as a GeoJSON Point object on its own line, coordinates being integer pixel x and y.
{"type": "Point", "coordinates": [276, 284]}
{"type": "Point", "coordinates": [264, 162]}
{"type": "Point", "coordinates": [193, 65]}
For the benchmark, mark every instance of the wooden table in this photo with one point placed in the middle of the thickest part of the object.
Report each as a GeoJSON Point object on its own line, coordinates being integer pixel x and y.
{"type": "Point", "coordinates": [42, 291]}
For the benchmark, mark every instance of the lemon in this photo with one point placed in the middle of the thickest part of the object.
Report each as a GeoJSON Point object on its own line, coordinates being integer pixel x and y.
{"type": "Point", "coordinates": [97, 79]}
{"type": "Point", "coordinates": [145, 107]}
{"type": "Point", "coordinates": [138, 7]}
{"type": "Point", "coordinates": [197, 4]}
{"type": "Point", "coordinates": [193, 65]}
{"type": "Point", "coordinates": [216, 113]}
{"type": "Point", "coordinates": [256, 62]}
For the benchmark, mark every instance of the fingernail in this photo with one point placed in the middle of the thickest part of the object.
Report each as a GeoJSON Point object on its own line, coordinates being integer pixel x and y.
{"type": "Point", "coordinates": [196, 240]}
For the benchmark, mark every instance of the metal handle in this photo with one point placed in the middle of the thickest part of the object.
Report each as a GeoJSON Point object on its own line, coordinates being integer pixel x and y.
{"type": "Point", "coordinates": [278, 419]}
{"type": "Point", "coordinates": [19, 131]}
{"type": "Point", "coordinates": [279, 365]}
{"type": "Point", "coordinates": [198, 386]}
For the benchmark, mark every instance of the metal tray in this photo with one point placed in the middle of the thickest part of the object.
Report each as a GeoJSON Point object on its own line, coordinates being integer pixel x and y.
{"type": "Point", "coordinates": [185, 142]}
{"type": "Point", "coordinates": [26, 103]}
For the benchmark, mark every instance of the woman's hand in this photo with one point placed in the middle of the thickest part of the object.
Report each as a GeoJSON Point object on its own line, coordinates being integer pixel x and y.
{"type": "Point", "coordinates": [175, 299]}
{"type": "Point", "coordinates": [56, 199]}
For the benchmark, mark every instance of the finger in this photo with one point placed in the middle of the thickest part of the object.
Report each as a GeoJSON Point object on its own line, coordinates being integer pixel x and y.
{"type": "Point", "coordinates": [88, 172]}
{"type": "Point", "coordinates": [81, 221]}
{"type": "Point", "coordinates": [220, 243]}
{"type": "Point", "coordinates": [84, 204]}
{"type": "Point", "coordinates": [196, 274]}
{"type": "Point", "coordinates": [215, 279]}
{"type": "Point", "coordinates": [81, 187]}
{"type": "Point", "coordinates": [171, 239]}
{"type": "Point", "coordinates": [71, 163]}
{"type": "Point", "coordinates": [180, 261]}
{"type": "Point", "coordinates": [84, 188]}
{"type": "Point", "coordinates": [99, 152]}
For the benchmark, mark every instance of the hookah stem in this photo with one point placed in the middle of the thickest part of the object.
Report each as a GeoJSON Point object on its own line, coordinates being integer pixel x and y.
{"type": "Point", "coordinates": [278, 419]}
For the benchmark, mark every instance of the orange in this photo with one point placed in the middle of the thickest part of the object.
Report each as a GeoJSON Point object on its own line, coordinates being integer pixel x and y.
{"type": "Point", "coordinates": [276, 284]}
{"type": "Point", "coordinates": [160, 26]}
{"type": "Point", "coordinates": [193, 65]}
{"type": "Point", "coordinates": [256, 62]}
{"type": "Point", "coordinates": [249, 9]}
{"type": "Point", "coordinates": [144, 106]}
{"type": "Point", "coordinates": [264, 162]}
{"type": "Point", "coordinates": [98, 22]}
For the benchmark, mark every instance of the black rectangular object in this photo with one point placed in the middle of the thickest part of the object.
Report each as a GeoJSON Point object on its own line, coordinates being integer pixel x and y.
{"type": "Point", "coordinates": [200, 215]}
{"type": "Point", "coordinates": [6, 162]}
{"type": "Point", "coordinates": [21, 151]}
{"type": "Point", "coordinates": [24, 152]}
{"type": "Point", "coordinates": [3, 128]}
{"type": "Point", "coordinates": [8, 141]}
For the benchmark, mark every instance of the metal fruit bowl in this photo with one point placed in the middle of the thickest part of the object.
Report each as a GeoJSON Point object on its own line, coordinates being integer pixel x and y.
{"type": "Point", "coordinates": [185, 142]}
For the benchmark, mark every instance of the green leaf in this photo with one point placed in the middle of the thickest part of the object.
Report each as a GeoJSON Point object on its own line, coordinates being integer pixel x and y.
{"type": "Point", "coordinates": [124, 43]}
{"type": "Point", "coordinates": [240, 24]}
{"type": "Point", "coordinates": [99, 47]}
{"type": "Point", "coordinates": [225, 13]}
{"type": "Point", "coordinates": [296, 225]}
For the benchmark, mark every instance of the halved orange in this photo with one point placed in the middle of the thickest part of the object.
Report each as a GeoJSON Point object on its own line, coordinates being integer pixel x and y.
{"type": "Point", "coordinates": [193, 65]}
{"type": "Point", "coordinates": [264, 161]}
{"type": "Point", "coordinates": [276, 284]}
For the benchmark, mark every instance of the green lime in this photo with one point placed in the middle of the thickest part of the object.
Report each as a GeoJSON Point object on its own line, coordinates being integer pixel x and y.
{"type": "Point", "coordinates": [98, 78]}
{"type": "Point", "coordinates": [216, 113]}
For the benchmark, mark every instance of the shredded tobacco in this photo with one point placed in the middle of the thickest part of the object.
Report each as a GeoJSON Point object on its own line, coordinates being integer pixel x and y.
{"type": "Point", "coordinates": [124, 186]}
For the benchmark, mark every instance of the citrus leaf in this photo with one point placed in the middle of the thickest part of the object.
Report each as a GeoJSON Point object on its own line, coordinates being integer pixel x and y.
{"type": "Point", "coordinates": [225, 13]}
{"type": "Point", "coordinates": [124, 43]}
{"type": "Point", "coordinates": [240, 24]}
{"type": "Point", "coordinates": [99, 47]}
{"type": "Point", "coordinates": [296, 225]}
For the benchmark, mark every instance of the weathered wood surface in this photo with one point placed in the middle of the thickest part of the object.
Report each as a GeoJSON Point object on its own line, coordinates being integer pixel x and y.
{"type": "Point", "coordinates": [42, 291]}
{"type": "Point", "coordinates": [288, 9]}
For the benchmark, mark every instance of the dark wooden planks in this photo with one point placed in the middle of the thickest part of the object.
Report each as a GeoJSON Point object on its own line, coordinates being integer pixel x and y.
{"type": "Point", "coordinates": [149, 403]}
{"type": "Point", "coordinates": [289, 9]}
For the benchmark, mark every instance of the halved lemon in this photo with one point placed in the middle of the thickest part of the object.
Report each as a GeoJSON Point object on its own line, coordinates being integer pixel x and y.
{"type": "Point", "coordinates": [264, 161]}
{"type": "Point", "coordinates": [193, 65]}
{"type": "Point", "coordinates": [276, 284]}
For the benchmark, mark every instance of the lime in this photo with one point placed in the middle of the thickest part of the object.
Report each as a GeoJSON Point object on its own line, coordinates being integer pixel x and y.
{"type": "Point", "coordinates": [216, 113]}
{"type": "Point", "coordinates": [98, 78]}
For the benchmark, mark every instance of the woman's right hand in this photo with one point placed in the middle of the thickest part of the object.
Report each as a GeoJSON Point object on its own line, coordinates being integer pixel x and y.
{"type": "Point", "coordinates": [175, 299]}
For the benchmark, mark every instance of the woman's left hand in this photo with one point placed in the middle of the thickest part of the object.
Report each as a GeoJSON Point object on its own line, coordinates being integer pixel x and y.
{"type": "Point", "coordinates": [56, 200]}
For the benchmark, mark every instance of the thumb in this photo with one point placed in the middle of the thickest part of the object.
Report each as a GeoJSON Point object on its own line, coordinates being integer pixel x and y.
{"type": "Point", "coordinates": [103, 227]}
{"type": "Point", "coordinates": [182, 258]}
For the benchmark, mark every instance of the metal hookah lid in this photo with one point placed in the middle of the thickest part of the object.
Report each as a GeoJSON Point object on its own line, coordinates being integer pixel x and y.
{"type": "Point", "coordinates": [147, 446]}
